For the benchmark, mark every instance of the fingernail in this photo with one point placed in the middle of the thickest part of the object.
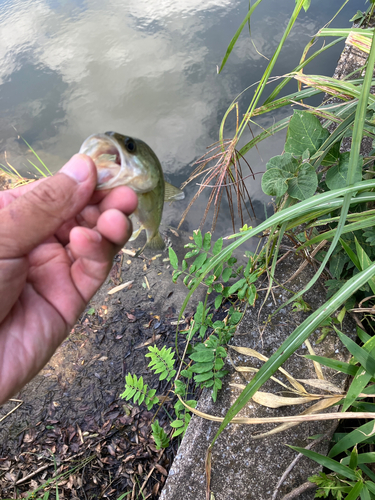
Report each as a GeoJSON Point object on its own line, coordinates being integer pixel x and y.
{"type": "Point", "coordinates": [77, 168]}
{"type": "Point", "coordinates": [94, 237]}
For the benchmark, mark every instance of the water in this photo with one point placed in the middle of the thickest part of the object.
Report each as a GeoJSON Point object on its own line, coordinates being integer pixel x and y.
{"type": "Point", "coordinates": [147, 69]}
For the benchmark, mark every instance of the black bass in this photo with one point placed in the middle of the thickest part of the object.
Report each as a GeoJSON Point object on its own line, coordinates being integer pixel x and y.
{"type": "Point", "coordinates": [122, 160]}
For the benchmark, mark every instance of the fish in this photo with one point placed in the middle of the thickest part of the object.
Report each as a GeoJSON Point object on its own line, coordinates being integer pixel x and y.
{"type": "Point", "coordinates": [122, 160]}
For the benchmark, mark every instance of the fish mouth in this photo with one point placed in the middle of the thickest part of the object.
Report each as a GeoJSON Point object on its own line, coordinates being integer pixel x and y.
{"type": "Point", "coordinates": [108, 159]}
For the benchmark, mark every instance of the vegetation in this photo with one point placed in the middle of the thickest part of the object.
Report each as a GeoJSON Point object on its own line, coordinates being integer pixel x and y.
{"type": "Point", "coordinates": [328, 193]}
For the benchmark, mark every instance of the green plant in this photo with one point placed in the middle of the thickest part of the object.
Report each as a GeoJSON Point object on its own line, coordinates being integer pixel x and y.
{"type": "Point", "coordinates": [137, 390]}
{"type": "Point", "coordinates": [315, 185]}
{"type": "Point", "coordinates": [159, 435]}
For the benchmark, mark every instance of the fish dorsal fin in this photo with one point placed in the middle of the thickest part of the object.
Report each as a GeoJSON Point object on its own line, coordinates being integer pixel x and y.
{"type": "Point", "coordinates": [172, 193]}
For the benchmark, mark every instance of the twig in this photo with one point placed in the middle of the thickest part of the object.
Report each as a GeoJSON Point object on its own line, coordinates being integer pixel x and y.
{"type": "Point", "coordinates": [26, 478]}
{"type": "Point", "coordinates": [151, 471]}
{"type": "Point", "coordinates": [293, 463]}
{"type": "Point", "coordinates": [298, 491]}
{"type": "Point", "coordinates": [11, 411]}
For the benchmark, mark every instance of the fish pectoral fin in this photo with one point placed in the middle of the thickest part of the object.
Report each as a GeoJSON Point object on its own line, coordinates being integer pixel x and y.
{"type": "Point", "coordinates": [136, 233]}
{"type": "Point", "coordinates": [172, 193]}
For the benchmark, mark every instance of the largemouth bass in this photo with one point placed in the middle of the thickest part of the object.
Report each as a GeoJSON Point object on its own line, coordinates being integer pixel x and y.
{"type": "Point", "coordinates": [122, 160]}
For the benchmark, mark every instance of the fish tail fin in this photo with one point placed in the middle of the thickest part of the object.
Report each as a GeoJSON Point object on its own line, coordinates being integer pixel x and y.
{"type": "Point", "coordinates": [156, 242]}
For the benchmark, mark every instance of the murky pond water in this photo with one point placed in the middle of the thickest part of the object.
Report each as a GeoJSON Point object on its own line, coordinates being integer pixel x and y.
{"type": "Point", "coordinates": [70, 68]}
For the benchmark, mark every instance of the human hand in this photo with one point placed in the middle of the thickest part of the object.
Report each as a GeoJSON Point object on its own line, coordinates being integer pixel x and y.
{"type": "Point", "coordinates": [57, 241]}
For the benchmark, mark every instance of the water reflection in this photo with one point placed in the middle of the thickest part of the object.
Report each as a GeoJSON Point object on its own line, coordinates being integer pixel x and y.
{"type": "Point", "coordinates": [148, 69]}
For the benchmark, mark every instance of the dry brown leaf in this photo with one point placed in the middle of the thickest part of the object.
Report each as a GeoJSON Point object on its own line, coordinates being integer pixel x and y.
{"type": "Point", "coordinates": [324, 385]}
{"type": "Point", "coordinates": [161, 469]}
{"type": "Point", "coordinates": [148, 342]}
{"type": "Point", "coordinates": [318, 368]}
{"type": "Point", "coordinates": [254, 370]}
{"type": "Point", "coordinates": [256, 354]}
{"type": "Point", "coordinates": [274, 401]}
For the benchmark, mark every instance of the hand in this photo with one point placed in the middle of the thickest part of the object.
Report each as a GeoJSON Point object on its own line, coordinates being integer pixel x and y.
{"type": "Point", "coordinates": [57, 241]}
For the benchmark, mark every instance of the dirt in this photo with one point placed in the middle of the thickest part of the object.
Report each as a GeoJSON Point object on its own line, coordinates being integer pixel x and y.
{"type": "Point", "coordinates": [72, 428]}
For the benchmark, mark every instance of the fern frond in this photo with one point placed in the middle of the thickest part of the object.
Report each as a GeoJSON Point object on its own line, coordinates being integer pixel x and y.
{"type": "Point", "coordinates": [137, 390]}
{"type": "Point", "coordinates": [162, 362]}
{"type": "Point", "coordinates": [159, 435]}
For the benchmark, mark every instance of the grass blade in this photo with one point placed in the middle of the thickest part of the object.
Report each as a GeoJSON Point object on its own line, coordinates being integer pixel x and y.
{"type": "Point", "coordinates": [237, 34]}
{"type": "Point", "coordinates": [327, 462]}
{"type": "Point", "coordinates": [340, 366]}
{"type": "Point", "coordinates": [360, 434]}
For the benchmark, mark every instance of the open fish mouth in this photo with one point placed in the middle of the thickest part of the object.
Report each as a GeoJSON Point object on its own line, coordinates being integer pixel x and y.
{"type": "Point", "coordinates": [108, 158]}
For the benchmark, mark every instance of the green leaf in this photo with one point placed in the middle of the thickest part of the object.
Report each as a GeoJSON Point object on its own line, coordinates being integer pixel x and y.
{"type": "Point", "coordinates": [304, 184]}
{"type": "Point", "coordinates": [364, 262]}
{"type": "Point", "coordinates": [91, 311]}
{"type": "Point", "coordinates": [304, 132]}
{"type": "Point", "coordinates": [202, 377]}
{"type": "Point", "coordinates": [251, 294]}
{"type": "Point", "coordinates": [218, 270]}
{"type": "Point", "coordinates": [361, 379]}
{"type": "Point", "coordinates": [332, 156]}
{"type": "Point", "coordinates": [192, 253]}
{"type": "Point", "coordinates": [352, 256]}
{"type": "Point", "coordinates": [219, 363]}
{"type": "Point", "coordinates": [360, 434]}
{"type": "Point", "coordinates": [227, 273]}
{"type": "Point", "coordinates": [279, 170]}
{"type": "Point", "coordinates": [363, 458]}
{"type": "Point", "coordinates": [203, 356]}
{"type": "Point", "coordinates": [357, 488]}
{"type": "Point", "coordinates": [353, 458]}
{"type": "Point", "coordinates": [336, 175]}
{"type": "Point", "coordinates": [202, 367]}
{"type": "Point", "coordinates": [200, 260]}
{"type": "Point", "coordinates": [176, 275]}
{"type": "Point", "coordinates": [237, 34]}
{"type": "Point", "coordinates": [197, 235]}
{"type": "Point", "coordinates": [218, 301]}
{"type": "Point", "coordinates": [327, 462]}
{"type": "Point", "coordinates": [173, 258]}
{"type": "Point", "coordinates": [306, 4]}
{"type": "Point", "coordinates": [217, 246]}
{"type": "Point", "coordinates": [184, 265]}
{"type": "Point", "coordinates": [337, 263]}
{"type": "Point", "coordinates": [177, 423]}
{"type": "Point", "coordinates": [236, 286]}
{"type": "Point", "coordinates": [365, 358]}
{"type": "Point", "coordinates": [207, 242]}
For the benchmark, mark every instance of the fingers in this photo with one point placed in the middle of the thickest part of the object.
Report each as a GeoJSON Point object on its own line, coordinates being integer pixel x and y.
{"type": "Point", "coordinates": [93, 250]}
{"type": "Point", "coordinates": [31, 218]}
{"type": "Point", "coordinates": [121, 198]}
{"type": "Point", "coordinates": [13, 273]}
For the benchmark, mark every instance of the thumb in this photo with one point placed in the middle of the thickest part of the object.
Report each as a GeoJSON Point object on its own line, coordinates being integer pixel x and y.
{"type": "Point", "coordinates": [35, 216]}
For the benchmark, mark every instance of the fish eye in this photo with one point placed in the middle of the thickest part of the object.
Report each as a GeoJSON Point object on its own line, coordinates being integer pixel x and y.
{"type": "Point", "coordinates": [130, 145]}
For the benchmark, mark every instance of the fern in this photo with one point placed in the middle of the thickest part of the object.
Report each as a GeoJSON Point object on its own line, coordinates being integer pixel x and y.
{"type": "Point", "coordinates": [159, 435]}
{"type": "Point", "coordinates": [162, 362]}
{"type": "Point", "coordinates": [136, 389]}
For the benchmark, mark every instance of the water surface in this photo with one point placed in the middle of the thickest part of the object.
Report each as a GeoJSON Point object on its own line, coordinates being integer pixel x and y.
{"type": "Point", "coordinates": [148, 69]}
